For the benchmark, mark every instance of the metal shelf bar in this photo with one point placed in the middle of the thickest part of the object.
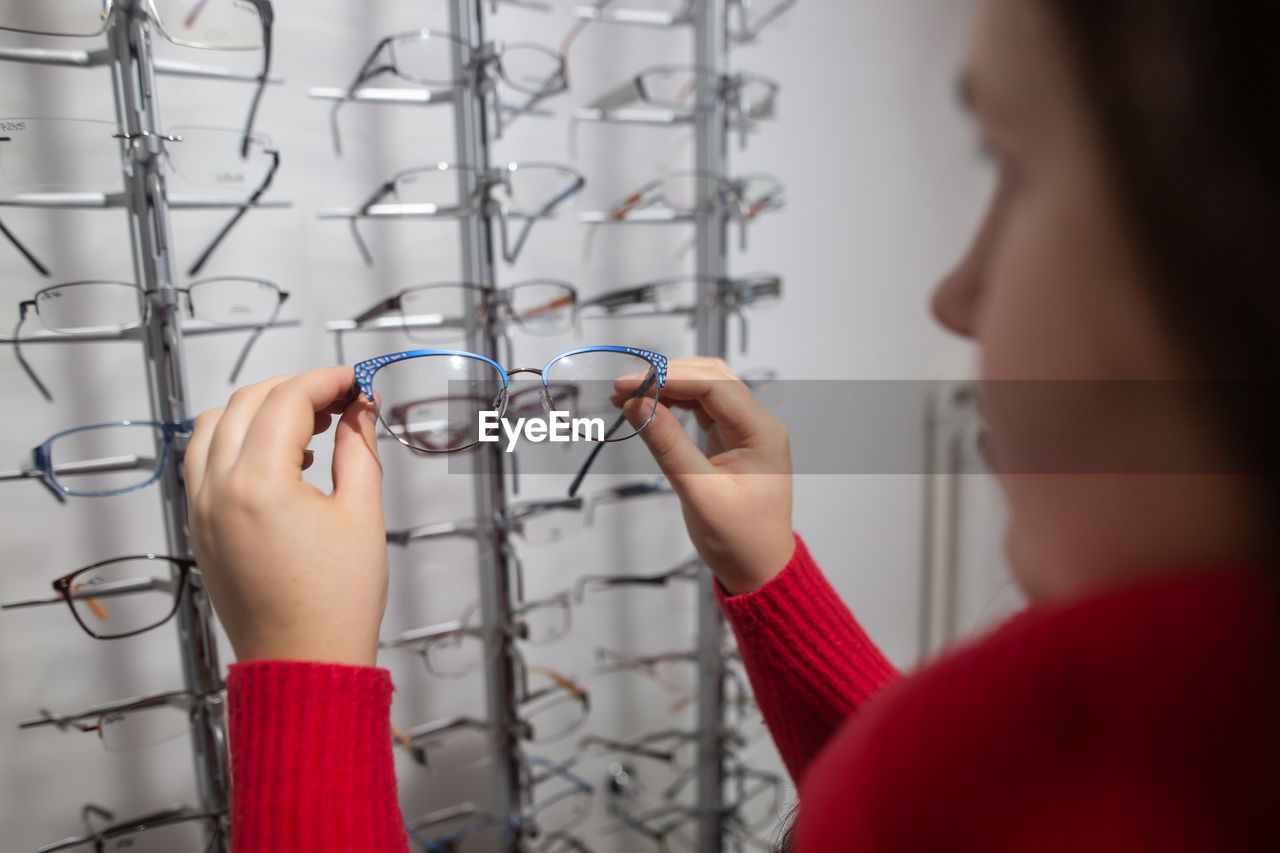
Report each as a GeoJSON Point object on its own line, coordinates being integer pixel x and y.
{"type": "Point", "coordinates": [133, 79]}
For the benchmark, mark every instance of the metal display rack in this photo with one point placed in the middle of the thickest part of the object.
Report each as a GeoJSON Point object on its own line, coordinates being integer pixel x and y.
{"type": "Point", "coordinates": [133, 79]}
{"type": "Point", "coordinates": [147, 203]}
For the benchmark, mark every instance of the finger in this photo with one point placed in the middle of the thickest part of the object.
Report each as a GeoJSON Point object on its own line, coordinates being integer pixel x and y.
{"type": "Point", "coordinates": [195, 456]}
{"type": "Point", "coordinates": [238, 413]}
{"type": "Point", "coordinates": [726, 400]}
{"type": "Point", "coordinates": [281, 429]}
{"type": "Point", "coordinates": [357, 471]}
{"type": "Point", "coordinates": [673, 450]}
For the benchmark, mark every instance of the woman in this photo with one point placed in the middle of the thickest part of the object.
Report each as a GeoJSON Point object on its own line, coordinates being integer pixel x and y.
{"type": "Point", "coordinates": [1134, 706]}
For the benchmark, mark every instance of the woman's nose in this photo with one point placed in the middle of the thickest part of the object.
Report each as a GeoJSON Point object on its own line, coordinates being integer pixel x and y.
{"type": "Point", "coordinates": [956, 299]}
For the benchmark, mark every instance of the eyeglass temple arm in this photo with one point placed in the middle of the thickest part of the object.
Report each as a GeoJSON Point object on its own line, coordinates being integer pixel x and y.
{"type": "Point", "coordinates": [386, 306]}
{"type": "Point", "coordinates": [240, 212]}
{"type": "Point", "coordinates": [267, 14]}
{"type": "Point", "coordinates": [17, 351]}
{"type": "Point", "coordinates": [365, 74]}
{"type": "Point", "coordinates": [253, 339]}
{"type": "Point", "coordinates": [509, 254]}
{"type": "Point", "coordinates": [26, 253]}
{"type": "Point", "coordinates": [595, 451]}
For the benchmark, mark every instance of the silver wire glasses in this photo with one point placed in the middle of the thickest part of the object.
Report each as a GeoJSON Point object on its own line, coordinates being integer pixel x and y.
{"type": "Point", "coordinates": [678, 296]}
{"type": "Point", "coordinates": [437, 313]}
{"type": "Point", "coordinates": [175, 828]}
{"type": "Point", "coordinates": [95, 308]}
{"type": "Point", "coordinates": [521, 191]}
{"type": "Point", "coordinates": [59, 154]}
{"type": "Point", "coordinates": [130, 724]}
{"type": "Point", "coordinates": [441, 60]}
{"type": "Point", "coordinates": [559, 801]}
{"type": "Point", "coordinates": [207, 24]}
{"type": "Point", "coordinates": [682, 195]}
{"type": "Point", "coordinates": [747, 17]}
{"type": "Point", "coordinates": [679, 92]}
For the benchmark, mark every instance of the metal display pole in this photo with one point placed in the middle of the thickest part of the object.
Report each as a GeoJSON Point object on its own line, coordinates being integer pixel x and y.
{"type": "Point", "coordinates": [711, 51]}
{"type": "Point", "coordinates": [133, 79]}
{"type": "Point", "coordinates": [476, 236]}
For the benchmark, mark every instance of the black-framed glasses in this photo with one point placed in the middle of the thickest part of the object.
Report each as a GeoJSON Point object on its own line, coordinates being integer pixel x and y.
{"type": "Point", "coordinates": [441, 60]}
{"type": "Point", "coordinates": [59, 154]}
{"type": "Point", "coordinates": [177, 827]}
{"type": "Point", "coordinates": [551, 813]}
{"type": "Point", "coordinates": [96, 307]}
{"type": "Point", "coordinates": [527, 192]}
{"type": "Point", "coordinates": [132, 723]}
{"type": "Point", "coordinates": [437, 313]}
{"type": "Point", "coordinates": [119, 597]}
{"type": "Point", "coordinates": [102, 460]}
{"type": "Point", "coordinates": [206, 24]}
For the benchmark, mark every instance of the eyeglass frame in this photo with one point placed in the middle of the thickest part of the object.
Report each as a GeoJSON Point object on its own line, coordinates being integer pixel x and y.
{"type": "Point", "coordinates": [132, 139]}
{"type": "Point", "coordinates": [45, 472]}
{"type": "Point", "coordinates": [187, 701]}
{"type": "Point", "coordinates": [478, 62]}
{"type": "Point", "coordinates": [266, 15]}
{"type": "Point", "coordinates": [135, 826]}
{"type": "Point", "coordinates": [733, 294]}
{"type": "Point", "coordinates": [146, 299]}
{"type": "Point", "coordinates": [511, 825]}
{"type": "Point", "coordinates": [726, 85]}
{"type": "Point", "coordinates": [367, 369]}
{"type": "Point", "coordinates": [480, 201]}
{"type": "Point", "coordinates": [63, 587]}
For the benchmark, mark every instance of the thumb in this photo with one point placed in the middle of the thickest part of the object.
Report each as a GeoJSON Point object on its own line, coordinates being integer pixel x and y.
{"type": "Point", "coordinates": [676, 454]}
{"type": "Point", "coordinates": [356, 468]}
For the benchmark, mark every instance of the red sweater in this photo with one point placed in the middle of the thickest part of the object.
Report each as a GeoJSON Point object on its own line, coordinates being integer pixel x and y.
{"type": "Point", "coordinates": [1143, 718]}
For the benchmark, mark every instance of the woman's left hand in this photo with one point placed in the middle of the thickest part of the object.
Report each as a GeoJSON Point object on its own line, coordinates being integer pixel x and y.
{"type": "Point", "coordinates": [292, 572]}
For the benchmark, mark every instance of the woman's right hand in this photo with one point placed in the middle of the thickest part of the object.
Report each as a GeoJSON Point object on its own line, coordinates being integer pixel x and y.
{"type": "Point", "coordinates": [736, 497]}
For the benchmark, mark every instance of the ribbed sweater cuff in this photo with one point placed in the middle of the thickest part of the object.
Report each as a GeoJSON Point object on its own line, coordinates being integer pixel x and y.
{"type": "Point", "coordinates": [311, 759]}
{"type": "Point", "coordinates": [811, 664]}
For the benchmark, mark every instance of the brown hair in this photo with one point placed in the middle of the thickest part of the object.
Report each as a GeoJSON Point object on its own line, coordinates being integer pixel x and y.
{"type": "Point", "coordinates": [1185, 93]}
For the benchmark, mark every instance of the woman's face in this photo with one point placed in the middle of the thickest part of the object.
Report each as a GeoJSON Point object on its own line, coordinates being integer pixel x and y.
{"type": "Point", "coordinates": [1054, 288]}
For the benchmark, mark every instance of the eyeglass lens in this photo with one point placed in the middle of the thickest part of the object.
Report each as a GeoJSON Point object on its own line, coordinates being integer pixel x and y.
{"type": "Point", "coordinates": [106, 460]}
{"type": "Point", "coordinates": [435, 400]}
{"type": "Point", "coordinates": [123, 597]}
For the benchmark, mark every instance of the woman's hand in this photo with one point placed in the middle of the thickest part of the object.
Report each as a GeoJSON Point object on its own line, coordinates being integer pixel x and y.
{"type": "Point", "coordinates": [293, 573]}
{"type": "Point", "coordinates": [737, 502]}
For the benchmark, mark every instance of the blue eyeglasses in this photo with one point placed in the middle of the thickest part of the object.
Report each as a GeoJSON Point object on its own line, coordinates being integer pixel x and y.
{"type": "Point", "coordinates": [439, 396]}
{"type": "Point", "coordinates": [102, 460]}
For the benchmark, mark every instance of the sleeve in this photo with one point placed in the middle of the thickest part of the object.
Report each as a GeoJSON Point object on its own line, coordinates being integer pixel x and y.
{"type": "Point", "coordinates": [311, 761]}
{"type": "Point", "coordinates": [810, 663]}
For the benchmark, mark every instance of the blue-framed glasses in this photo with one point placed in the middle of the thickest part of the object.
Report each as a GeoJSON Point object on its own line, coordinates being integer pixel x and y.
{"type": "Point", "coordinates": [451, 388]}
{"type": "Point", "coordinates": [102, 460]}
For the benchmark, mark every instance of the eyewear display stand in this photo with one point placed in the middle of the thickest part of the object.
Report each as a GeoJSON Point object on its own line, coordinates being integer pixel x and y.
{"type": "Point", "coordinates": [711, 134]}
{"type": "Point", "coordinates": [133, 79]}
{"type": "Point", "coordinates": [478, 255]}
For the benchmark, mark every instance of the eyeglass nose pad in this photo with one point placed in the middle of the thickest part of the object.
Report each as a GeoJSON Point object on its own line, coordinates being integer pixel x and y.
{"type": "Point", "coordinates": [547, 405]}
{"type": "Point", "coordinates": [500, 402]}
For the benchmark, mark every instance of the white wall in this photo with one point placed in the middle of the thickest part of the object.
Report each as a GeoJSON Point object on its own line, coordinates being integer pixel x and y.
{"type": "Point", "coordinates": [882, 191]}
